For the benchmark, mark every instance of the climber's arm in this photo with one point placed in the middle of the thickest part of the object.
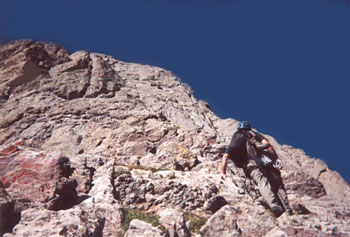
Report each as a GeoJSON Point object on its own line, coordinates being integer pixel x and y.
{"type": "Point", "coordinates": [272, 150]}
{"type": "Point", "coordinates": [224, 165]}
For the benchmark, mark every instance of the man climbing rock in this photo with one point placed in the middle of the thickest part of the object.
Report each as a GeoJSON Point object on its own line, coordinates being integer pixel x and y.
{"type": "Point", "coordinates": [253, 153]}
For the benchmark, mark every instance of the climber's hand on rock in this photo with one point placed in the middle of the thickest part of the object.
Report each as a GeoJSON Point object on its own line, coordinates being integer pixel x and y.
{"type": "Point", "coordinates": [278, 164]}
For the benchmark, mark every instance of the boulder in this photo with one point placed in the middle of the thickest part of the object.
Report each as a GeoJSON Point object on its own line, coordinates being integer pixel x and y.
{"type": "Point", "coordinates": [35, 178]}
{"type": "Point", "coordinates": [65, 223]}
{"type": "Point", "coordinates": [174, 221]}
{"type": "Point", "coordinates": [222, 223]}
{"type": "Point", "coordinates": [139, 228]}
{"type": "Point", "coordinates": [215, 203]}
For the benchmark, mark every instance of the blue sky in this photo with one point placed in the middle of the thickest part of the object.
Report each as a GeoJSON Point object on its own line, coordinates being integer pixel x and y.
{"type": "Point", "coordinates": [283, 65]}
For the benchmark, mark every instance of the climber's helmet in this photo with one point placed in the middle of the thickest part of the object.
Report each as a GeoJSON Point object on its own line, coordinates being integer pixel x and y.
{"type": "Point", "coordinates": [245, 125]}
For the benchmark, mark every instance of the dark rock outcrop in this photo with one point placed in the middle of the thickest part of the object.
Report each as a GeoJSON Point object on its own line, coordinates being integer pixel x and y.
{"type": "Point", "coordinates": [9, 216]}
{"type": "Point", "coordinates": [302, 184]}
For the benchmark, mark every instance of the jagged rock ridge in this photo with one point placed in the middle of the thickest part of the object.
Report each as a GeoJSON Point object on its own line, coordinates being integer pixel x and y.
{"type": "Point", "coordinates": [85, 137]}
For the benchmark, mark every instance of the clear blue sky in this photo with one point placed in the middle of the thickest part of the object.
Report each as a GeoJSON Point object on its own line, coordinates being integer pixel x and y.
{"type": "Point", "coordinates": [283, 65]}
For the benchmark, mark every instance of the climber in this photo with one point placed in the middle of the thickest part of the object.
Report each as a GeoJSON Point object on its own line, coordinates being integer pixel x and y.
{"type": "Point", "coordinates": [253, 153]}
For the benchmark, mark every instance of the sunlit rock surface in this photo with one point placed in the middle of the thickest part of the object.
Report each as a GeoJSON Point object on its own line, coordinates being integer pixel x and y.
{"type": "Point", "coordinates": [85, 137]}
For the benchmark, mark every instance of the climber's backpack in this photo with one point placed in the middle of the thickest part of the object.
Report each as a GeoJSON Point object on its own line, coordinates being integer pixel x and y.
{"type": "Point", "coordinates": [252, 151]}
{"type": "Point", "coordinates": [237, 149]}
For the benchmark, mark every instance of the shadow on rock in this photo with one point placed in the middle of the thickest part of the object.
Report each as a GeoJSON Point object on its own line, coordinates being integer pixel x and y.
{"type": "Point", "coordinates": [9, 217]}
{"type": "Point", "coordinates": [65, 195]}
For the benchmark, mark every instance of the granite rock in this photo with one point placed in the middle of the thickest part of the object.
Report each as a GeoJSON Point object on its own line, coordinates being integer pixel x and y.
{"type": "Point", "coordinates": [84, 135]}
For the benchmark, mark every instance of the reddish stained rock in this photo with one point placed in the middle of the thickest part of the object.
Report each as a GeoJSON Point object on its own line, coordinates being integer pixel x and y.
{"type": "Point", "coordinates": [36, 176]}
{"type": "Point", "coordinates": [8, 150]}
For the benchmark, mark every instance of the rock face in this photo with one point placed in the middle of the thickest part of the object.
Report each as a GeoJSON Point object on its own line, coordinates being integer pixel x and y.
{"type": "Point", "coordinates": [84, 136]}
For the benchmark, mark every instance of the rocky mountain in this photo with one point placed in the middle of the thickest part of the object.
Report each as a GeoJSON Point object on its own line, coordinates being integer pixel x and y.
{"type": "Point", "coordinates": [93, 146]}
